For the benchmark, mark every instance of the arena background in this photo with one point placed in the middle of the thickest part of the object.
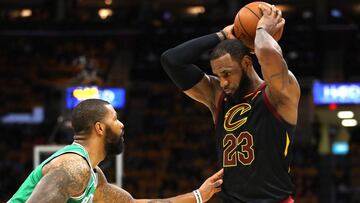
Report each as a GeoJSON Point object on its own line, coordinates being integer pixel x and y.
{"type": "Point", "coordinates": [49, 45]}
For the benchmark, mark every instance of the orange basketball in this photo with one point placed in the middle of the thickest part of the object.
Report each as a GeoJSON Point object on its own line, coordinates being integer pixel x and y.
{"type": "Point", "coordinates": [245, 23]}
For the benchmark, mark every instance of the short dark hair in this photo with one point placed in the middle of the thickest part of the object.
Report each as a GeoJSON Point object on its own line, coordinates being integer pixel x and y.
{"type": "Point", "coordinates": [234, 47]}
{"type": "Point", "coordinates": [87, 113]}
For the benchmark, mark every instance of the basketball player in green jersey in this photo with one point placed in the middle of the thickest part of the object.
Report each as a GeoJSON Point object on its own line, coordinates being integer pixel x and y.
{"type": "Point", "coordinates": [72, 173]}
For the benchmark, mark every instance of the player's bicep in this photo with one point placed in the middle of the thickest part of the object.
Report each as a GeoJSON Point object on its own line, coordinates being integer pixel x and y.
{"type": "Point", "coordinates": [108, 193]}
{"type": "Point", "coordinates": [51, 188]}
{"type": "Point", "coordinates": [205, 91]}
{"type": "Point", "coordinates": [281, 82]}
{"type": "Point", "coordinates": [65, 176]}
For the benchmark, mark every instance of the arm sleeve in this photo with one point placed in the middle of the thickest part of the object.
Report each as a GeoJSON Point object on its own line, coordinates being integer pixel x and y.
{"type": "Point", "coordinates": [178, 61]}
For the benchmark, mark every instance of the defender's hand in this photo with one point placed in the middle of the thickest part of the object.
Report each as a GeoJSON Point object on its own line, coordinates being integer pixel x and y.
{"type": "Point", "coordinates": [211, 186]}
{"type": "Point", "coordinates": [271, 20]}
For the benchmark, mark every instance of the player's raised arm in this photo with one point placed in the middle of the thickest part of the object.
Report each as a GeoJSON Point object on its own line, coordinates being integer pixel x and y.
{"type": "Point", "coordinates": [108, 193]}
{"type": "Point", "coordinates": [283, 90]}
{"type": "Point", "coordinates": [64, 177]}
{"type": "Point", "coordinates": [178, 63]}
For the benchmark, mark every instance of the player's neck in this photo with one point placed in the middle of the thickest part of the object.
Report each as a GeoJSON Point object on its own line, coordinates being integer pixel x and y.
{"type": "Point", "coordinates": [95, 152]}
{"type": "Point", "coordinates": [254, 81]}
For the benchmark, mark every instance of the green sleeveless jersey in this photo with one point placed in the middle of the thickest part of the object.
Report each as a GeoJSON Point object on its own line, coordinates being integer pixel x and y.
{"type": "Point", "coordinates": [32, 180]}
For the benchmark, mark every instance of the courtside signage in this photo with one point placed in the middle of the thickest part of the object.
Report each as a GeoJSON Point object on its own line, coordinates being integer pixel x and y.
{"type": "Point", "coordinates": [336, 93]}
{"type": "Point", "coordinates": [115, 96]}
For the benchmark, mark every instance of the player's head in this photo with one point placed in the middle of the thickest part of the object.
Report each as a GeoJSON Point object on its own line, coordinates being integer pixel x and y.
{"type": "Point", "coordinates": [230, 60]}
{"type": "Point", "coordinates": [99, 117]}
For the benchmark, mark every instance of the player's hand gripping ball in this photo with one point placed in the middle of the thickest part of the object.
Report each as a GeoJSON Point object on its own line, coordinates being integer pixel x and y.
{"type": "Point", "coordinates": [246, 22]}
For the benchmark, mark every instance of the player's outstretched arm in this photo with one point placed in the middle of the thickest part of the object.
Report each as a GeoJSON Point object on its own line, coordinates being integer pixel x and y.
{"type": "Point", "coordinates": [283, 89]}
{"type": "Point", "coordinates": [109, 193]}
{"type": "Point", "coordinates": [65, 176]}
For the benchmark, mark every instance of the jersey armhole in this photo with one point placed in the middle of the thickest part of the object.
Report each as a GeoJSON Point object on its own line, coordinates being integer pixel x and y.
{"type": "Point", "coordinates": [217, 108]}
{"type": "Point", "coordinates": [271, 107]}
{"type": "Point", "coordinates": [66, 152]}
{"type": "Point", "coordinates": [273, 110]}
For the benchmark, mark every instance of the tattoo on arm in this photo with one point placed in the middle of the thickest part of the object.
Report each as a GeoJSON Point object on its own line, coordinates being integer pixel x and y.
{"type": "Point", "coordinates": [63, 180]}
{"type": "Point", "coordinates": [108, 193]}
{"type": "Point", "coordinates": [112, 194]}
{"type": "Point", "coordinates": [282, 75]}
{"type": "Point", "coordinates": [51, 188]}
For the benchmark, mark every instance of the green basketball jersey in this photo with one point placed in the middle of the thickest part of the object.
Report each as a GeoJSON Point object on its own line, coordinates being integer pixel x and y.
{"type": "Point", "coordinates": [32, 180]}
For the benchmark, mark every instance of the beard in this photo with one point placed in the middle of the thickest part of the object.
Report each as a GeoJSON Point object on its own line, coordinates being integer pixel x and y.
{"type": "Point", "coordinates": [241, 90]}
{"type": "Point", "coordinates": [114, 144]}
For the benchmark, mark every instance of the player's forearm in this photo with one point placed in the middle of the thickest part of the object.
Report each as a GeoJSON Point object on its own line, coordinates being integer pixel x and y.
{"type": "Point", "coordinates": [266, 47]}
{"type": "Point", "coordinates": [108, 193]}
{"type": "Point", "coordinates": [190, 51]}
{"type": "Point", "coordinates": [269, 54]}
{"type": "Point", "coordinates": [178, 61]}
{"type": "Point", "coordinates": [185, 198]}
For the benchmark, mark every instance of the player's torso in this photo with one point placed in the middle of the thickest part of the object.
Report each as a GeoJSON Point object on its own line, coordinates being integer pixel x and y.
{"type": "Point", "coordinates": [254, 148]}
{"type": "Point", "coordinates": [32, 180]}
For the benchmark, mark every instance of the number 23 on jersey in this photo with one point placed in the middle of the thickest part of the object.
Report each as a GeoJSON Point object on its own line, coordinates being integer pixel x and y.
{"type": "Point", "coordinates": [238, 149]}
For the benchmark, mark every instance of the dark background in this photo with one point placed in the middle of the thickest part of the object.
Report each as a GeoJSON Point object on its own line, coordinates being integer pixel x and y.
{"type": "Point", "coordinates": [170, 145]}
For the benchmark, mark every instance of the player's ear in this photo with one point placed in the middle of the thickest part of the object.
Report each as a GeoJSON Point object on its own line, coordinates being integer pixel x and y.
{"type": "Point", "coordinates": [246, 61]}
{"type": "Point", "coordinates": [99, 128]}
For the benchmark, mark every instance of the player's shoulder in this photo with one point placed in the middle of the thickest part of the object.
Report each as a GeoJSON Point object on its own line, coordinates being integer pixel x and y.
{"type": "Point", "coordinates": [213, 79]}
{"type": "Point", "coordinates": [71, 169]}
{"type": "Point", "coordinates": [67, 161]}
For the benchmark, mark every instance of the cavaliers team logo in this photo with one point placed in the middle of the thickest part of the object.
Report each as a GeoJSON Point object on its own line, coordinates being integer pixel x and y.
{"type": "Point", "coordinates": [238, 149]}
{"type": "Point", "coordinates": [229, 123]}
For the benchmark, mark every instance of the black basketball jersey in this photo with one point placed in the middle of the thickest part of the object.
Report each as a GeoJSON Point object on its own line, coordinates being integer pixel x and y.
{"type": "Point", "coordinates": [254, 148]}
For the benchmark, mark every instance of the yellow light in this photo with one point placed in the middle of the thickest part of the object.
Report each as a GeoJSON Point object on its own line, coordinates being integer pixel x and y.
{"type": "Point", "coordinates": [195, 10]}
{"type": "Point", "coordinates": [345, 114]}
{"type": "Point", "coordinates": [349, 122]}
{"type": "Point", "coordinates": [25, 13]}
{"type": "Point", "coordinates": [105, 13]}
{"type": "Point", "coordinates": [86, 93]}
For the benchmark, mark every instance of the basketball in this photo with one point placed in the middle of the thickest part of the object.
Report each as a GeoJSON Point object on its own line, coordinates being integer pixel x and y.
{"type": "Point", "coordinates": [245, 23]}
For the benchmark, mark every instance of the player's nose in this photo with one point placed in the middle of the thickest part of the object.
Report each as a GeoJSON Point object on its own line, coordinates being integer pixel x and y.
{"type": "Point", "coordinates": [223, 83]}
{"type": "Point", "coordinates": [122, 126]}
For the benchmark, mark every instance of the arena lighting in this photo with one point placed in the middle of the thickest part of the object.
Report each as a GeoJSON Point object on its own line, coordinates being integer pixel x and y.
{"type": "Point", "coordinates": [115, 96]}
{"type": "Point", "coordinates": [345, 114]}
{"type": "Point", "coordinates": [336, 93]}
{"type": "Point", "coordinates": [195, 10]}
{"type": "Point", "coordinates": [349, 122]}
{"type": "Point", "coordinates": [293, 55]}
{"type": "Point", "coordinates": [307, 14]}
{"type": "Point", "coordinates": [336, 13]}
{"type": "Point", "coordinates": [340, 148]}
{"type": "Point", "coordinates": [34, 117]}
{"type": "Point", "coordinates": [25, 13]}
{"type": "Point", "coordinates": [105, 13]}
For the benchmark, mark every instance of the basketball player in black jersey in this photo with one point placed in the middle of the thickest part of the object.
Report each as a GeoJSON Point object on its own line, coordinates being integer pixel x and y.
{"type": "Point", "coordinates": [255, 118]}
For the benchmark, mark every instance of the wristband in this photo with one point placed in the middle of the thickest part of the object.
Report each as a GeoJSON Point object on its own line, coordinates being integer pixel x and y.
{"type": "Point", "coordinates": [223, 33]}
{"type": "Point", "coordinates": [197, 196]}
